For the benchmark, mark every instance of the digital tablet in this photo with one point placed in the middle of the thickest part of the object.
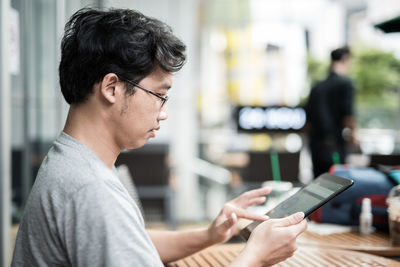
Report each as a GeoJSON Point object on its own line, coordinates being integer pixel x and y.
{"type": "Point", "coordinates": [308, 199]}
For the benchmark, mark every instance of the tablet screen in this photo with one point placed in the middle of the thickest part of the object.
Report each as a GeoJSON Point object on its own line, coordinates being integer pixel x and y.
{"type": "Point", "coordinates": [308, 199]}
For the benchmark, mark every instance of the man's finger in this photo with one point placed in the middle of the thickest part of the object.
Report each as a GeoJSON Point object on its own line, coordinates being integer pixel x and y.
{"type": "Point", "coordinates": [257, 192]}
{"type": "Point", "coordinates": [299, 228]}
{"type": "Point", "coordinates": [243, 198]}
{"type": "Point", "coordinates": [290, 220]}
{"type": "Point", "coordinates": [255, 201]}
{"type": "Point", "coordinates": [231, 220]}
{"type": "Point", "coordinates": [241, 213]}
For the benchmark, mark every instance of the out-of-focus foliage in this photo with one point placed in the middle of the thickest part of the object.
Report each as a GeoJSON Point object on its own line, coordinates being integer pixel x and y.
{"type": "Point", "coordinates": [317, 70]}
{"type": "Point", "coordinates": [376, 74]}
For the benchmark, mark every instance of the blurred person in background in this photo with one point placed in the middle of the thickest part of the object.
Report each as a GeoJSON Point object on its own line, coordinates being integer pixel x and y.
{"type": "Point", "coordinates": [115, 72]}
{"type": "Point", "coordinates": [330, 114]}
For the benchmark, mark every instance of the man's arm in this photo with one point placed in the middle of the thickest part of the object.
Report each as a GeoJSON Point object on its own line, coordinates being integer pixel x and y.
{"type": "Point", "coordinates": [349, 120]}
{"type": "Point", "coordinates": [272, 241]}
{"type": "Point", "coordinates": [349, 130]}
{"type": "Point", "coordinates": [176, 245]}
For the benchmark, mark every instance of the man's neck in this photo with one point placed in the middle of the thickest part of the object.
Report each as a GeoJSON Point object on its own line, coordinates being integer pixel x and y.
{"type": "Point", "coordinates": [339, 69]}
{"type": "Point", "coordinates": [92, 132]}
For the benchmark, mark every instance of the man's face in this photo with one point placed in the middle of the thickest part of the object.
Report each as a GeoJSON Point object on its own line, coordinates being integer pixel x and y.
{"type": "Point", "coordinates": [141, 113]}
{"type": "Point", "coordinates": [346, 64]}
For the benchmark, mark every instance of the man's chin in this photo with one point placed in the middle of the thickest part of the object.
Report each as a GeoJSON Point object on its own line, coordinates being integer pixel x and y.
{"type": "Point", "coordinates": [138, 144]}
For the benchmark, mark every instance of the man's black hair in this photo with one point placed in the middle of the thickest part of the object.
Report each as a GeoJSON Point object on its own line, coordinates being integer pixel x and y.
{"type": "Point", "coordinates": [120, 41]}
{"type": "Point", "coordinates": [340, 53]}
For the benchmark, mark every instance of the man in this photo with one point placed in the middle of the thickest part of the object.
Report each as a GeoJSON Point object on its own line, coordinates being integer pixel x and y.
{"type": "Point", "coordinates": [115, 72]}
{"type": "Point", "coordinates": [330, 114]}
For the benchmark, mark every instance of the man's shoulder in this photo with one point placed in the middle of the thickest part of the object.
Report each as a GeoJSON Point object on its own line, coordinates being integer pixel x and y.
{"type": "Point", "coordinates": [65, 170]}
{"type": "Point", "coordinates": [341, 80]}
{"type": "Point", "coordinates": [317, 89]}
{"type": "Point", "coordinates": [61, 162]}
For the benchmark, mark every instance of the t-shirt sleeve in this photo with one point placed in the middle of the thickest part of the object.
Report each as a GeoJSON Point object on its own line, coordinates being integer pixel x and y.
{"type": "Point", "coordinates": [102, 227]}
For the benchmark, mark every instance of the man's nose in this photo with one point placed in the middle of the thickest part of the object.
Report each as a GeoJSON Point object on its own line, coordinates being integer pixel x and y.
{"type": "Point", "coordinates": [163, 115]}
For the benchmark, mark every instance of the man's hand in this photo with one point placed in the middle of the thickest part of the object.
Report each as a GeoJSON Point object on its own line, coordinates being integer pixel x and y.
{"type": "Point", "coordinates": [224, 226]}
{"type": "Point", "coordinates": [272, 241]}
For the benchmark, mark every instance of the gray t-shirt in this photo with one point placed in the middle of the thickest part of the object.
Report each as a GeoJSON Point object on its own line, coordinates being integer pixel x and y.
{"type": "Point", "coordinates": [79, 214]}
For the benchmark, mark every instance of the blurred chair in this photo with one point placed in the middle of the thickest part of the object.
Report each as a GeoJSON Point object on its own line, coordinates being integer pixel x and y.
{"type": "Point", "coordinates": [388, 160]}
{"type": "Point", "coordinates": [150, 173]}
{"type": "Point", "coordinates": [260, 168]}
{"type": "Point", "coordinates": [126, 179]}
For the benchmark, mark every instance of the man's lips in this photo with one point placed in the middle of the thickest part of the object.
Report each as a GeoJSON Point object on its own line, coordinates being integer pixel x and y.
{"type": "Point", "coordinates": [153, 131]}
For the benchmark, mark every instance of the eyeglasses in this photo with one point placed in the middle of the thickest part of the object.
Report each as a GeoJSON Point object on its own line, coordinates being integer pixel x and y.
{"type": "Point", "coordinates": [163, 99]}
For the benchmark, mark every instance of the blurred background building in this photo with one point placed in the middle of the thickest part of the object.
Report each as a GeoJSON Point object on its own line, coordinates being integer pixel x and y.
{"type": "Point", "coordinates": [235, 115]}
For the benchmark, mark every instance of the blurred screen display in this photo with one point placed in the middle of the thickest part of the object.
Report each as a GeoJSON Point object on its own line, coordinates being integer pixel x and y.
{"type": "Point", "coordinates": [273, 118]}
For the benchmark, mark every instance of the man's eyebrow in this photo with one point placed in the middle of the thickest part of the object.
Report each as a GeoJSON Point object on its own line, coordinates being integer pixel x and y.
{"type": "Point", "coordinates": [165, 86]}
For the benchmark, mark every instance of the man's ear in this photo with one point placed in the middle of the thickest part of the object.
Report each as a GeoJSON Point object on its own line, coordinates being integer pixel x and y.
{"type": "Point", "coordinates": [108, 87]}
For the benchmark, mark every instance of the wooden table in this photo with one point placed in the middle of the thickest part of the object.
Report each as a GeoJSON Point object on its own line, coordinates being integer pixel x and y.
{"type": "Point", "coordinates": [376, 243]}
{"type": "Point", "coordinates": [306, 256]}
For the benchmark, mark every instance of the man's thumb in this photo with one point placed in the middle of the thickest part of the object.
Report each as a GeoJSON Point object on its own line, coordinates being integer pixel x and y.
{"type": "Point", "coordinates": [292, 219]}
{"type": "Point", "coordinates": [231, 220]}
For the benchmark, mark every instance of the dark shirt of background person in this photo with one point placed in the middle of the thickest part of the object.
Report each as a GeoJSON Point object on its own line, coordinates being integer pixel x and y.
{"type": "Point", "coordinates": [330, 114]}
